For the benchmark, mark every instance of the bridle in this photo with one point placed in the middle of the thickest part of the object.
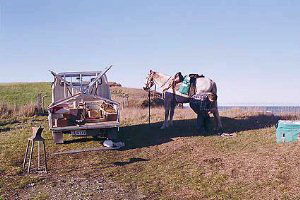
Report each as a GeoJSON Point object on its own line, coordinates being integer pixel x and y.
{"type": "Point", "coordinates": [165, 82]}
{"type": "Point", "coordinates": [150, 81]}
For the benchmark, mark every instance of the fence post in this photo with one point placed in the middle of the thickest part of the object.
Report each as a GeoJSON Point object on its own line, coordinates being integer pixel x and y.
{"type": "Point", "coordinates": [149, 96]}
{"type": "Point", "coordinates": [39, 102]}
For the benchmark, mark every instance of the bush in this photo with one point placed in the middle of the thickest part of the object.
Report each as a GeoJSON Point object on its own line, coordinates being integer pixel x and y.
{"type": "Point", "coordinates": [153, 103]}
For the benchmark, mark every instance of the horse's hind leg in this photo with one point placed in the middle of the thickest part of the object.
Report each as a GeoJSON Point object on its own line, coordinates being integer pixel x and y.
{"type": "Point", "coordinates": [217, 118]}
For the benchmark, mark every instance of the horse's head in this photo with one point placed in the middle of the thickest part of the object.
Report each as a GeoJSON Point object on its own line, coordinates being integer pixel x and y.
{"type": "Point", "coordinates": [149, 80]}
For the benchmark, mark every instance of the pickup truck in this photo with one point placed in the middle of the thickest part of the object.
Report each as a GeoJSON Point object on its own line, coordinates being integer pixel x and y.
{"type": "Point", "coordinates": [82, 105]}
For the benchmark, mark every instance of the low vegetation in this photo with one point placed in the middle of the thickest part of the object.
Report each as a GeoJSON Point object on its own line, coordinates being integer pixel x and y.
{"type": "Point", "coordinates": [177, 163]}
{"type": "Point", "coordinates": [11, 111]}
{"type": "Point", "coordinates": [24, 93]}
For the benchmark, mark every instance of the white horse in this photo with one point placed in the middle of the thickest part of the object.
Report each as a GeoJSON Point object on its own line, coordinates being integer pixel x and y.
{"type": "Point", "coordinates": [173, 96]}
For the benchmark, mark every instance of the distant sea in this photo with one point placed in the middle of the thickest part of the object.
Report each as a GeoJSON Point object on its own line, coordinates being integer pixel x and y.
{"type": "Point", "coordinates": [269, 109]}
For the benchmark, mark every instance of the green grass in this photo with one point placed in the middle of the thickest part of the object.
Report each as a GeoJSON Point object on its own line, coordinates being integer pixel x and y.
{"type": "Point", "coordinates": [23, 93]}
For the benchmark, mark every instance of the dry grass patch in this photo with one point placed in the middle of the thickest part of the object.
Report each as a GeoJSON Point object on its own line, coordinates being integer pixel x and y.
{"type": "Point", "coordinates": [13, 111]}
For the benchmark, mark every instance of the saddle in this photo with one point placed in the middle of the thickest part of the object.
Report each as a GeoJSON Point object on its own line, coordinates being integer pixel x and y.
{"type": "Point", "coordinates": [189, 82]}
{"type": "Point", "coordinates": [193, 82]}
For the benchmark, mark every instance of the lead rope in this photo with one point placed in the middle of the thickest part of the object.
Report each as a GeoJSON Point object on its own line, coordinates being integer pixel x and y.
{"type": "Point", "coordinates": [166, 82]}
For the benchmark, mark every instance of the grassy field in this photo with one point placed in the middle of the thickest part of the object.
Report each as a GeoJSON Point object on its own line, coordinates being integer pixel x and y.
{"type": "Point", "coordinates": [177, 163]}
{"type": "Point", "coordinates": [19, 94]}
{"type": "Point", "coordinates": [19, 99]}
{"type": "Point", "coordinates": [23, 93]}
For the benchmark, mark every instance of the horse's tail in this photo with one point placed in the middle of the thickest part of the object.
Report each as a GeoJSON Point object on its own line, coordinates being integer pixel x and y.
{"type": "Point", "coordinates": [214, 96]}
{"type": "Point", "coordinates": [214, 87]}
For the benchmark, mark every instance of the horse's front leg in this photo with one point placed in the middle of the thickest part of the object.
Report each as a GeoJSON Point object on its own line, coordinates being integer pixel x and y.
{"type": "Point", "coordinates": [173, 106]}
{"type": "Point", "coordinates": [167, 111]}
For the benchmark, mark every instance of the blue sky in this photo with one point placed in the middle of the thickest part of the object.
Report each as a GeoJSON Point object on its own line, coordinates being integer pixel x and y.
{"type": "Point", "coordinates": [251, 49]}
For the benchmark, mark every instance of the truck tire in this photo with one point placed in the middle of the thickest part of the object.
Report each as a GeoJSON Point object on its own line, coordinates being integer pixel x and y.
{"type": "Point", "coordinates": [58, 137]}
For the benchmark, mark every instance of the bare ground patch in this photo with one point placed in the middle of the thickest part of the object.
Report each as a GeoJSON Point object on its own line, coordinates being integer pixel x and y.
{"type": "Point", "coordinates": [77, 188]}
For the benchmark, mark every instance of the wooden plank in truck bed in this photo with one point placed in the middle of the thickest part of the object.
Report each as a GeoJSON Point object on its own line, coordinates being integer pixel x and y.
{"type": "Point", "coordinates": [112, 124]}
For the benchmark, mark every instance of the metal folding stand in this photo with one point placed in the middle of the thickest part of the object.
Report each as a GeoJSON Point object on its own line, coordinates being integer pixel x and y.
{"type": "Point", "coordinates": [36, 137]}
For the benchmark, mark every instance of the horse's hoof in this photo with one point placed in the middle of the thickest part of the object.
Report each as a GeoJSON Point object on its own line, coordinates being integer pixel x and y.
{"type": "Point", "coordinates": [220, 132]}
{"type": "Point", "coordinates": [218, 129]}
{"type": "Point", "coordinates": [163, 127]}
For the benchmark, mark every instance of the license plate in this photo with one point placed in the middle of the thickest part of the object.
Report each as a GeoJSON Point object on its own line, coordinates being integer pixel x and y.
{"type": "Point", "coordinates": [81, 132]}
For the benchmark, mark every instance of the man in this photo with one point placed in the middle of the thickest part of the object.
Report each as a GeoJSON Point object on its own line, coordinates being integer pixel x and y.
{"type": "Point", "coordinates": [201, 105]}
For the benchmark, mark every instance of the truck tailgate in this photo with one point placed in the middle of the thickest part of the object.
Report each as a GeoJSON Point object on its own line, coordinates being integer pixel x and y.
{"type": "Point", "coordinates": [109, 124]}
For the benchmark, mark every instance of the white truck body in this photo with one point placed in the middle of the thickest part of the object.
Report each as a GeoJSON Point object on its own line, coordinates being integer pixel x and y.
{"type": "Point", "coordinates": [82, 105]}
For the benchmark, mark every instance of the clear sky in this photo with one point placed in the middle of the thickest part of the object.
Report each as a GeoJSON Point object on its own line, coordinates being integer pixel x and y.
{"type": "Point", "coordinates": [251, 49]}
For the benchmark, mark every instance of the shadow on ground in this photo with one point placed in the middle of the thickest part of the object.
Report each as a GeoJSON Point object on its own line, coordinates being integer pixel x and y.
{"type": "Point", "coordinates": [143, 135]}
{"type": "Point", "coordinates": [84, 139]}
{"type": "Point", "coordinates": [131, 160]}
{"type": "Point", "coordinates": [8, 122]}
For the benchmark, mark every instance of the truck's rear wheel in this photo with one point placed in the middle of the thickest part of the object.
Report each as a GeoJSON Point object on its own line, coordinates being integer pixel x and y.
{"type": "Point", "coordinates": [58, 137]}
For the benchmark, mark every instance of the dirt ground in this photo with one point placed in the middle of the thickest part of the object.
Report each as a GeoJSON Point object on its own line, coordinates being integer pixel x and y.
{"type": "Point", "coordinates": [77, 188]}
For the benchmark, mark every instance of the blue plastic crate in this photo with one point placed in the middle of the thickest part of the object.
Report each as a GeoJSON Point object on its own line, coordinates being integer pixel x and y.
{"type": "Point", "coordinates": [287, 131]}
